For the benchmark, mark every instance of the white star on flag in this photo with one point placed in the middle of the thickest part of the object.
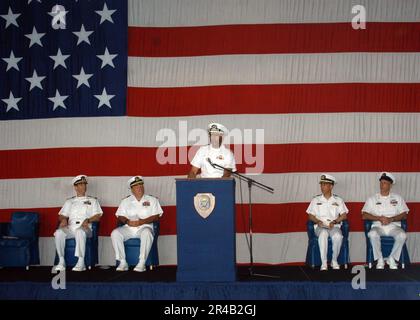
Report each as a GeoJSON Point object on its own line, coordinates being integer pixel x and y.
{"type": "Point", "coordinates": [59, 59]}
{"type": "Point", "coordinates": [83, 35]}
{"type": "Point", "coordinates": [10, 18]}
{"type": "Point", "coordinates": [58, 100]}
{"type": "Point", "coordinates": [35, 37]}
{"type": "Point", "coordinates": [35, 81]}
{"type": "Point", "coordinates": [12, 61]}
{"type": "Point", "coordinates": [107, 58]}
{"type": "Point", "coordinates": [105, 14]}
{"type": "Point", "coordinates": [104, 99]}
{"type": "Point", "coordinates": [11, 102]}
{"type": "Point", "coordinates": [82, 78]}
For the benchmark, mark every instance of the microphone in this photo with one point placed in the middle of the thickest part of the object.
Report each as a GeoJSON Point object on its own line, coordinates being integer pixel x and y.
{"type": "Point", "coordinates": [209, 161]}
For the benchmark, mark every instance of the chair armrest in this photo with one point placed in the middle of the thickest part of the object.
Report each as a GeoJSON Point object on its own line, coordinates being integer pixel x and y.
{"type": "Point", "coordinates": [368, 225]}
{"type": "Point", "coordinates": [156, 227]}
{"type": "Point", "coordinates": [4, 228]}
{"type": "Point", "coordinates": [345, 228]}
{"type": "Point", "coordinates": [310, 229]}
{"type": "Point", "coordinates": [404, 225]}
{"type": "Point", "coordinates": [95, 229]}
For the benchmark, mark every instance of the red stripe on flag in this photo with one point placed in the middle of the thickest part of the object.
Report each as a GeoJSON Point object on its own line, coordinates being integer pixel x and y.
{"type": "Point", "coordinates": [272, 38]}
{"type": "Point", "coordinates": [267, 218]}
{"type": "Point", "coordinates": [278, 158]}
{"type": "Point", "coordinates": [269, 99]}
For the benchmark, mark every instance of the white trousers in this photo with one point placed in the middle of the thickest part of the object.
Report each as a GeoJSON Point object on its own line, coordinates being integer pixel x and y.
{"type": "Point", "coordinates": [336, 238]}
{"type": "Point", "coordinates": [121, 234]}
{"type": "Point", "coordinates": [394, 231]}
{"type": "Point", "coordinates": [71, 232]}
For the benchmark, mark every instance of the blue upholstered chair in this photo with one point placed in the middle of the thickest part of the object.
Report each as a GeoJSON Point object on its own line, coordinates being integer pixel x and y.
{"type": "Point", "coordinates": [386, 244]}
{"type": "Point", "coordinates": [91, 253]}
{"type": "Point", "coordinates": [313, 257]}
{"type": "Point", "coordinates": [132, 249]}
{"type": "Point", "coordinates": [19, 240]}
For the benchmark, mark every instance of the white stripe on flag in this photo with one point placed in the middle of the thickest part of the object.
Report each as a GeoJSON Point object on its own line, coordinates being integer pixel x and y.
{"type": "Point", "coordinates": [289, 188]}
{"type": "Point", "coordinates": [274, 69]}
{"type": "Point", "coordinates": [162, 13]}
{"type": "Point", "coordinates": [142, 132]}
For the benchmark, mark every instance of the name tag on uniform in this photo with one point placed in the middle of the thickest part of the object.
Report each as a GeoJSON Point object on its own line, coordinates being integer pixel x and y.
{"type": "Point", "coordinates": [378, 203]}
{"type": "Point", "coordinates": [319, 203]}
{"type": "Point", "coordinates": [146, 204]}
{"type": "Point", "coordinates": [335, 204]}
{"type": "Point", "coordinates": [87, 202]}
{"type": "Point", "coordinates": [394, 202]}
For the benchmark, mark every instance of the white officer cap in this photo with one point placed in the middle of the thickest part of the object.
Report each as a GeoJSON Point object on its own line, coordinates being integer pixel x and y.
{"type": "Point", "coordinates": [217, 128]}
{"type": "Point", "coordinates": [82, 178]}
{"type": "Point", "coordinates": [387, 176]}
{"type": "Point", "coordinates": [327, 178]}
{"type": "Point", "coordinates": [133, 181]}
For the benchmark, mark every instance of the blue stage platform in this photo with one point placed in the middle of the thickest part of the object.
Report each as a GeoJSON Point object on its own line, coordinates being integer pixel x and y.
{"type": "Point", "coordinates": [292, 283]}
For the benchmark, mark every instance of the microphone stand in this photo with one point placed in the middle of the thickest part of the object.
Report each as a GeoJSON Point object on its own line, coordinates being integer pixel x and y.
{"type": "Point", "coordinates": [250, 183]}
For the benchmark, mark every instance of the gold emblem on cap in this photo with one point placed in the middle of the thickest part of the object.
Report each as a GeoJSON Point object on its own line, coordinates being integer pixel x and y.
{"type": "Point", "coordinates": [137, 180]}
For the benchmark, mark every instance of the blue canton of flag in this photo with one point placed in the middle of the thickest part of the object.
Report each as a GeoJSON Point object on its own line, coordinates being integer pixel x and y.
{"type": "Point", "coordinates": [62, 58]}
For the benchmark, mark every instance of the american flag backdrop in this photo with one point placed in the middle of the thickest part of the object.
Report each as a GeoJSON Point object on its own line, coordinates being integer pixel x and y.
{"type": "Point", "coordinates": [92, 97]}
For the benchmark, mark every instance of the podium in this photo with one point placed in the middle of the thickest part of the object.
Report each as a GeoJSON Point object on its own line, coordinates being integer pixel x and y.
{"type": "Point", "coordinates": [205, 221]}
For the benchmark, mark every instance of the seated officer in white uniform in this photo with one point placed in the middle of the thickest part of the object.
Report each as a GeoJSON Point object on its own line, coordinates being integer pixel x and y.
{"type": "Point", "coordinates": [327, 210]}
{"type": "Point", "coordinates": [75, 222]}
{"type": "Point", "coordinates": [138, 212]}
{"type": "Point", "coordinates": [215, 152]}
{"type": "Point", "coordinates": [386, 210]}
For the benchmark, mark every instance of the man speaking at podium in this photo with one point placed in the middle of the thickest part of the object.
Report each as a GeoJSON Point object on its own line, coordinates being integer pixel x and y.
{"type": "Point", "coordinates": [213, 153]}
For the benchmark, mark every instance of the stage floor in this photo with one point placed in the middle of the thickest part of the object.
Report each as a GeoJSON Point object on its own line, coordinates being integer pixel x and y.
{"type": "Point", "coordinates": [168, 274]}
{"type": "Point", "coordinates": [267, 283]}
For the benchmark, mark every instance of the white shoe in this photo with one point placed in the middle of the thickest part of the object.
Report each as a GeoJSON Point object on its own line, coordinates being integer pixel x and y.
{"type": "Point", "coordinates": [335, 265]}
{"type": "Point", "coordinates": [380, 264]}
{"type": "Point", "coordinates": [80, 266]}
{"type": "Point", "coordinates": [140, 267]}
{"type": "Point", "coordinates": [123, 266]}
{"type": "Point", "coordinates": [392, 264]}
{"type": "Point", "coordinates": [324, 267]}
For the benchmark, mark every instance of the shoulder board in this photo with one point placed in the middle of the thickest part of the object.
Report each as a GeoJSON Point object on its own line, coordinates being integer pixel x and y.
{"type": "Point", "coordinates": [125, 197]}
{"type": "Point", "coordinates": [93, 197]}
{"type": "Point", "coordinates": [317, 195]}
{"type": "Point", "coordinates": [71, 198]}
{"type": "Point", "coordinates": [336, 195]}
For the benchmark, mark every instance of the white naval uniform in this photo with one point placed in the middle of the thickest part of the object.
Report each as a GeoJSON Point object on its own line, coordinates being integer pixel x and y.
{"type": "Point", "coordinates": [327, 211]}
{"type": "Point", "coordinates": [77, 209]}
{"type": "Point", "coordinates": [134, 210]}
{"type": "Point", "coordinates": [222, 156]}
{"type": "Point", "coordinates": [389, 206]}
